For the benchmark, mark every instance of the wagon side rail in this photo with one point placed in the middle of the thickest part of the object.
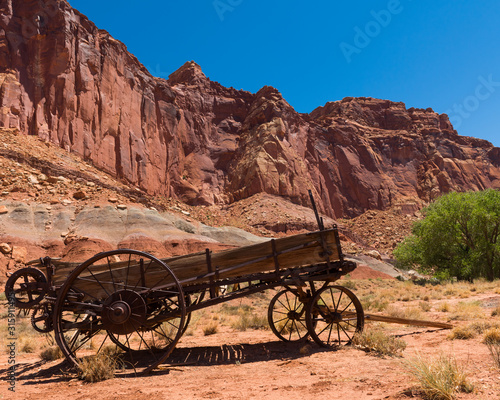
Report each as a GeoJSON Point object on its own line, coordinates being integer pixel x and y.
{"type": "Point", "coordinates": [207, 268]}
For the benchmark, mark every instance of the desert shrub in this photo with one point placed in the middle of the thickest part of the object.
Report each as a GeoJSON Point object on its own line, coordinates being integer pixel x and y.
{"type": "Point", "coordinates": [481, 327]}
{"type": "Point", "coordinates": [472, 330]}
{"type": "Point", "coordinates": [492, 340]}
{"type": "Point", "coordinates": [99, 367]}
{"type": "Point", "coordinates": [406, 313]}
{"type": "Point", "coordinates": [458, 237]}
{"type": "Point", "coordinates": [250, 321]}
{"type": "Point", "coordinates": [425, 306]}
{"type": "Point", "coordinates": [349, 284]}
{"type": "Point", "coordinates": [51, 353]}
{"type": "Point", "coordinates": [371, 302]}
{"type": "Point", "coordinates": [462, 333]}
{"type": "Point", "coordinates": [27, 345]}
{"type": "Point", "coordinates": [438, 379]}
{"type": "Point", "coordinates": [492, 335]}
{"type": "Point", "coordinates": [211, 329]}
{"type": "Point", "coordinates": [379, 343]}
{"type": "Point", "coordinates": [464, 311]}
{"type": "Point", "coordinates": [495, 312]}
{"type": "Point", "coordinates": [235, 310]}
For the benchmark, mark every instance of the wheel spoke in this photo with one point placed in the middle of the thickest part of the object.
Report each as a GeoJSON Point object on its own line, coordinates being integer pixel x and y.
{"type": "Point", "coordinates": [284, 326]}
{"type": "Point", "coordinates": [349, 337]}
{"type": "Point", "coordinates": [111, 273]}
{"type": "Point", "coordinates": [346, 307]}
{"type": "Point", "coordinates": [98, 281]}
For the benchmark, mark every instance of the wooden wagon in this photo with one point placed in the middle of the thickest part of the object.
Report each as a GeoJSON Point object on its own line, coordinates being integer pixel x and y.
{"type": "Point", "coordinates": [141, 305]}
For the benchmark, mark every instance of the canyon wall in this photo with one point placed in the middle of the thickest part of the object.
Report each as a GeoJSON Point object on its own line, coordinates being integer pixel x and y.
{"type": "Point", "coordinates": [70, 83]}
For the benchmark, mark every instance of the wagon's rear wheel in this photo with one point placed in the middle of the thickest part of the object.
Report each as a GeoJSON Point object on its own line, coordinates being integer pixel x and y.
{"type": "Point", "coordinates": [287, 316]}
{"type": "Point", "coordinates": [123, 303]}
{"type": "Point", "coordinates": [334, 316]}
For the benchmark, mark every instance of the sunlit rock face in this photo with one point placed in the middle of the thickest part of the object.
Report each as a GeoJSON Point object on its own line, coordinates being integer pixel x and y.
{"type": "Point", "coordinates": [70, 83]}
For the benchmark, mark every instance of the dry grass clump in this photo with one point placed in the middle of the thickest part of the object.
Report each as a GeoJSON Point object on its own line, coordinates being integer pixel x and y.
{"type": "Point", "coordinates": [371, 302]}
{"type": "Point", "coordinates": [27, 345]}
{"type": "Point", "coordinates": [348, 283]}
{"type": "Point", "coordinates": [379, 343]}
{"type": "Point", "coordinates": [51, 353]}
{"type": "Point", "coordinates": [99, 367]}
{"type": "Point", "coordinates": [250, 321]}
{"type": "Point", "coordinates": [211, 329]}
{"type": "Point", "coordinates": [462, 333]}
{"type": "Point", "coordinates": [496, 312]}
{"type": "Point", "coordinates": [471, 330]}
{"type": "Point", "coordinates": [235, 310]}
{"type": "Point", "coordinates": [458, 289]}
{"type": "Point", "coordinates": [406, 313]}
{"type": "Point", "coordinates": [492, 340]}
{"type": "Point", "coordinates": [425, 306]}
{"type": "Point", "coordinates": [467, 311]}
{"type": "Point", "coordinates": [438, 379]}
{"type": "Point", "coordinates": [492, 335]}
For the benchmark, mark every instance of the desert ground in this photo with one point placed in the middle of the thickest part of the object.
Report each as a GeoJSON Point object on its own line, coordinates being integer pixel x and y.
{"type": "Point", "coordinates": [241, 360]}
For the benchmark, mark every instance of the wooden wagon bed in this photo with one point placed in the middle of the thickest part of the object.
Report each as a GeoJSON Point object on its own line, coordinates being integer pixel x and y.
{"type": "Point", "coordinates": [205, 267]}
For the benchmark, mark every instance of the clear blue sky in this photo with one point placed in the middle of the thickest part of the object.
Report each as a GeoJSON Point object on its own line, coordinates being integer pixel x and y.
{"type": "Point", "coordinates": [439, 54]}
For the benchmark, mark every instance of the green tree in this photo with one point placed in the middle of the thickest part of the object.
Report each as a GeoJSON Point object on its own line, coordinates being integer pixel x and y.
{"type": "Point", "coordinates": [458, 236]}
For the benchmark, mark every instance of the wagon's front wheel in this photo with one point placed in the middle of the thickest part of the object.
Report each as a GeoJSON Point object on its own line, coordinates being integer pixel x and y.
{"type": "Point", "coordinates": [334, 316]}
{"type": "Point", "coordinates": [287, 316]}
{"type": "Point", "coordinates": [122, 297]}
{"type": "Point", "coordinates": [27, 287]}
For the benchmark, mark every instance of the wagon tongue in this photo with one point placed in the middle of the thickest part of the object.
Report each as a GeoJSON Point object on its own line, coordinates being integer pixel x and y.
{"type": "Point", "coordinates": [123, 312]}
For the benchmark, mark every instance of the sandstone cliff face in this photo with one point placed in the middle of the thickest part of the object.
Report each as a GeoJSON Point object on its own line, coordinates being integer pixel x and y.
{"type": "Point", "coordinates": [66, 81]}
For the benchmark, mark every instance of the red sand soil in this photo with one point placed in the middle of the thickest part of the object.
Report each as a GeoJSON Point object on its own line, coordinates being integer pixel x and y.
{"type": "Point", "coordinates": [255, 365]}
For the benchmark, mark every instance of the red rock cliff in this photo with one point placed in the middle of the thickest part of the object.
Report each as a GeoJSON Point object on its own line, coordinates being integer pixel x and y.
{"type": "Point", "coordinates": [70, 83]}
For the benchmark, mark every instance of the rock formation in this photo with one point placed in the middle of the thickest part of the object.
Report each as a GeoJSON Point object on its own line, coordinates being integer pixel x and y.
{"type": "Point", "coordinates": [70, 83]}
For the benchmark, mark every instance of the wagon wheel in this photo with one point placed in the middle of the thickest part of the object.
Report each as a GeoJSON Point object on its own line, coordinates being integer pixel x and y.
{"type": "Point", "coordinates": [334, 316]}
{"type": "Point", "coordinates": [286, 316]}
{"type": "Point", "coordinates": [123, 297]}
{"type": "Point", "coordinates": [26, 285]}
{"type": "Point", "coordinates": [41, 318]}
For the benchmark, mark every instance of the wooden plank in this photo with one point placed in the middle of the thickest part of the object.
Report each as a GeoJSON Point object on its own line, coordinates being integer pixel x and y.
{"type": "Point", "coordinates": [404, 321]}
{"type": "Point", "coordinates": [293, 251]}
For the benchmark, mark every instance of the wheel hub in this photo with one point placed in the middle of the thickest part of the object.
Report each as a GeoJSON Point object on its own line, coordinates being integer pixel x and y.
{"type": "Point", "coordinates": [119, 312]}
{"type": "Point", "coordinates": [124, 312]}
{"type": "Point", "coordinates": [293, 315]}
{"type": "Point", "coordinates": [333, 317]}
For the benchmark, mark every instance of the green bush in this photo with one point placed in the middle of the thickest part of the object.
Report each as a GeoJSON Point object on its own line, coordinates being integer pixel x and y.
{"type": "Point", "coordinates": [458, 237]}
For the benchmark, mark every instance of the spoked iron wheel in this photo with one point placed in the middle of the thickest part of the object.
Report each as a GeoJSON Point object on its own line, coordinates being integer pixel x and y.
{"type": "Point", "coordinates": [124, 302]}
{"type": "Point", "coordinates": [334, 316]}
{"type": "Point", "coordinates": [286, 316]}
{"type": "Point", "coordinates": [26, 286]}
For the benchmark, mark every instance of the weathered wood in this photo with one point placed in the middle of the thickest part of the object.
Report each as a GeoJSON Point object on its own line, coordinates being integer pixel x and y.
{"type": "Point", "coordinates": [404, 321]}
{"type": "Point", "coordinates": [293, 251]}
